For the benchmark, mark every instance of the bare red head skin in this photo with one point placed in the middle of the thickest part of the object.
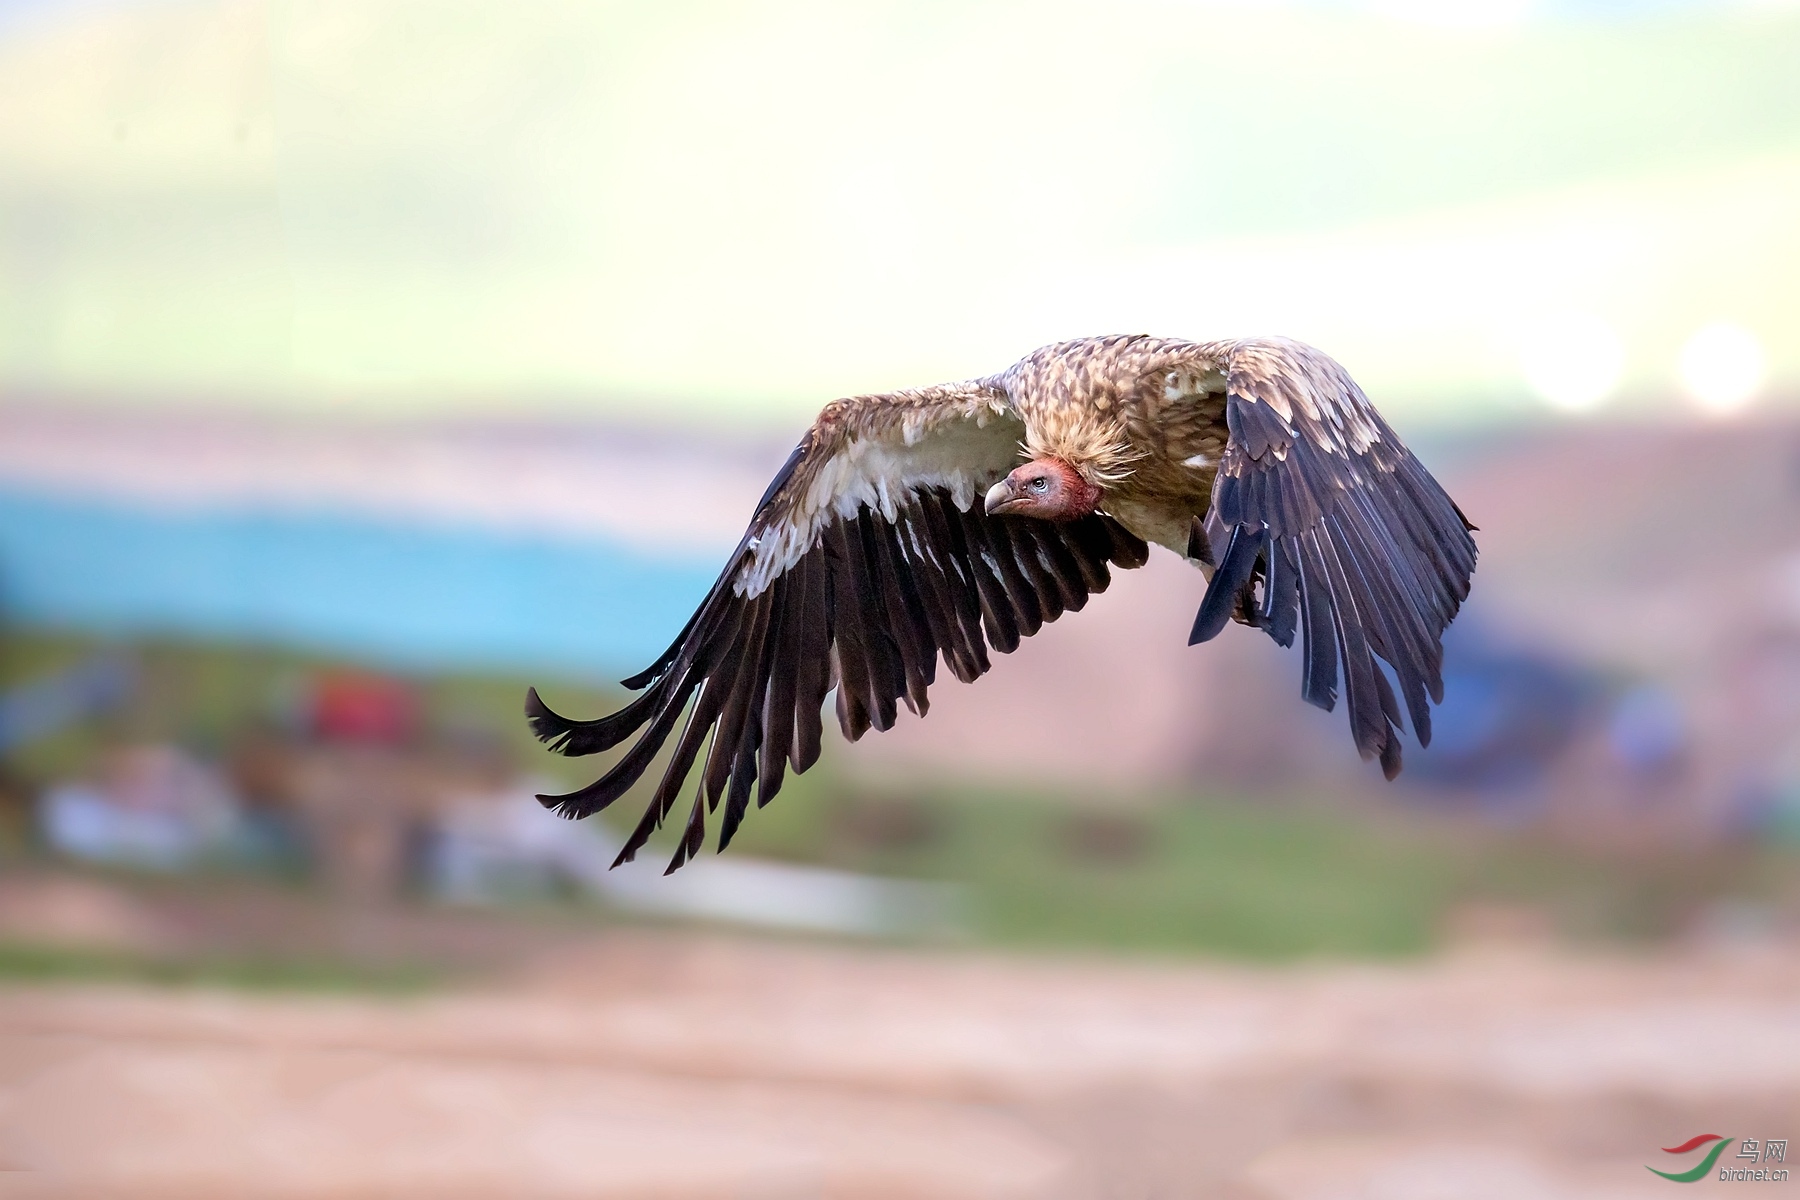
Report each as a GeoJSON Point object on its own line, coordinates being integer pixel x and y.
{"type": "Point", "coordinates": [1046, 488]}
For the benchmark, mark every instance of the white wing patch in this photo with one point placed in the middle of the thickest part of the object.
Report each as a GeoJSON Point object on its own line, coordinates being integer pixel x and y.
{"type": "Point", "coordinates": [1355, 429]}
{"type": "Point", "coordinates": [1185, 383]}
{"type": "Point", "coordinates": [966, 455]}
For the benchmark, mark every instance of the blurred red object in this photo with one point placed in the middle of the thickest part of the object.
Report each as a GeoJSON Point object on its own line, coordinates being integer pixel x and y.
{"type": "Point", "coordinates": [356, 707]}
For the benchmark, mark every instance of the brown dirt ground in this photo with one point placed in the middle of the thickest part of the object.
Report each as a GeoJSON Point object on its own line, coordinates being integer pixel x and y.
{"type": "Point", "coordinates": [647, 1063]}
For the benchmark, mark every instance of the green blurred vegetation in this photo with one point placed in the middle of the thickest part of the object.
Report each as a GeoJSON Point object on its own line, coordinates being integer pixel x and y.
{"type": "Point", "coordinates": [1172, 872]}
{"type": "Point", "coordinates": [1255, 877]}
{"type": "Point", "coordinates": [22, 962]}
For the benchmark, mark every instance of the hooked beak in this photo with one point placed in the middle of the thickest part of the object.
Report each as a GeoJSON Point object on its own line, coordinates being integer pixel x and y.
{"type": "Point", "coordinates": [998, 497]}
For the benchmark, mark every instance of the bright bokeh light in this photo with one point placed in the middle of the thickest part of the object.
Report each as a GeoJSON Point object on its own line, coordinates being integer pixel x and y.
{"type": "Point", "coordinates": [1573, 360]}
{"type": "Point", "coordinates": [1722, 366]}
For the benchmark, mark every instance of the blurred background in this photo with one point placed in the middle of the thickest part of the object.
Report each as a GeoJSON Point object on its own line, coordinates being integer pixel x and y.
{"type": "Point", "coordinates": [362, 364]}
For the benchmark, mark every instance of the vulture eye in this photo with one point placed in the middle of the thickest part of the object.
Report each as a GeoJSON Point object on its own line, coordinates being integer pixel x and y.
{"type": "Point", "coordinates": [1040, 485]}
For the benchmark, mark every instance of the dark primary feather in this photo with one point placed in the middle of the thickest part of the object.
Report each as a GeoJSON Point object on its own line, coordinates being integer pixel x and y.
{"type": "Point", "coordinates": [869, 608]}
{"type": "Point", "coordinates": [1353, 543]}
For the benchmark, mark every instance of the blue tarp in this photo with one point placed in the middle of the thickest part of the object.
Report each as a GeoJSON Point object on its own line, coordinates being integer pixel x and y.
{"type": "Point", "coordinates": [406, 594]}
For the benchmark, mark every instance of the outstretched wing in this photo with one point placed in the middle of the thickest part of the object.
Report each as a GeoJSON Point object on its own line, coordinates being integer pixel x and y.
{"type": "Point", "coordinates": [1344, 534]}
{"type": "Point", "coordinates": [869, 557]}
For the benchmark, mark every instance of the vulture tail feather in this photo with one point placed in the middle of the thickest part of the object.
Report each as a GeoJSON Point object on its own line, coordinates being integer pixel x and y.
{"type": "Point", "coordinates": [1233, 572]}
{"type": "Point", "coordinates": [1199, 547]}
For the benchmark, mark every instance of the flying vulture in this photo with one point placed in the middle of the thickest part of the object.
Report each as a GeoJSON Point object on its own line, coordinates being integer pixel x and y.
{"type": "Point", "coordinates": [948, 520]}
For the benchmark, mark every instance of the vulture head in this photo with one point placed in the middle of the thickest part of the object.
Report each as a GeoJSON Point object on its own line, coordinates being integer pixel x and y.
{"type": "Point", "coordinates": [1047, 488]}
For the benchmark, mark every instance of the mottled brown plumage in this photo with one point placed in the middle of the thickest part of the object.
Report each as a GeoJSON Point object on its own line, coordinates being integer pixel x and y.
{"type": "Point", "coordinates": [884, 545]}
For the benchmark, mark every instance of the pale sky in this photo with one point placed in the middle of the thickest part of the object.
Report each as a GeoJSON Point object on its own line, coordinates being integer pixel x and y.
{"type": "Point", "coordinates": [746, 210]}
